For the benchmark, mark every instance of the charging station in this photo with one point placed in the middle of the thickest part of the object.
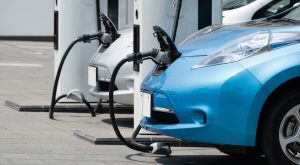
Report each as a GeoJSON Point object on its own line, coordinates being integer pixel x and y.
{"type": "Point", "coordinates": [196, 14]}
{"type": "Point", "coordinates": [71, 18]}
{"type": "Point", "coordinates": [119, 11]}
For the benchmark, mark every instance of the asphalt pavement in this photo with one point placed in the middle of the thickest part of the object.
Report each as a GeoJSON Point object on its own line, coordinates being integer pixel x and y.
{"type": "Point", "coordinates": [26, 72]}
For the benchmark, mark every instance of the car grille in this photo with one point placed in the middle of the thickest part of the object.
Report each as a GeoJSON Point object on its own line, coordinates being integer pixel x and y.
{"type": "Point", "coordinates": [164, 118]}
{"type": "Point", "coordinates": [104, 86]}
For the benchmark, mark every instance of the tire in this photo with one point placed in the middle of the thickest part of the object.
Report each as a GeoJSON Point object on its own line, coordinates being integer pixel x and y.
{"type": "Point", "coordinates": [282, 123]}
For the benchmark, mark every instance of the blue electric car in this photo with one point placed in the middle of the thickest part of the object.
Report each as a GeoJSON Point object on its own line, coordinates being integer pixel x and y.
{"type": "Point", "coordinates": [237, 87]}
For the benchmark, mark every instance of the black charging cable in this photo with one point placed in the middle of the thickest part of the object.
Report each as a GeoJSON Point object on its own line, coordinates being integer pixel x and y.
{"type": "Point", "coordinates": [133, 144]}
{"type": "Point", "coordinates": [84, 39]}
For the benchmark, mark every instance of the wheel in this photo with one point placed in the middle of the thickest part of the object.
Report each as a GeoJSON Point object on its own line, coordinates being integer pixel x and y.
{"type": "Point", "coordinates": [281, 132]}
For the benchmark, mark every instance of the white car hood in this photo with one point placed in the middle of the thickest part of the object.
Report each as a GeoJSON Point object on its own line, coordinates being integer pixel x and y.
{"type": "Point", "coordinates": [116, 51]}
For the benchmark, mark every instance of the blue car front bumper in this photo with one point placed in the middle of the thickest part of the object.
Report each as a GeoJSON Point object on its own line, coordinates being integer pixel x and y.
{"type": "Point", "coordinates": [215, 105]}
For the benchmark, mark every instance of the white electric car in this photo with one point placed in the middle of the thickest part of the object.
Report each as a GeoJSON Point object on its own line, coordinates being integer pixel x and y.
{"type": "Point", "coordinates": [103, 63]}
{"type": "Point", "coordinates": [105, 59]}
{"type": "Point", "coordinates": [237, 11]}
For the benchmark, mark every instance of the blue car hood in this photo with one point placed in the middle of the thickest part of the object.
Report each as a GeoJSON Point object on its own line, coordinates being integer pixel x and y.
{"type": "Point", "coordinates": [208, 43]}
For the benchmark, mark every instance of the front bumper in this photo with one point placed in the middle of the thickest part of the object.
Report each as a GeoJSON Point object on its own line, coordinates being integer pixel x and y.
{"type": "Point", "coordinates": [120, 96]}
{"type": "Point", "coordinates": [214, 105]}
{"type": "Point", "coordinates": [123, 93]}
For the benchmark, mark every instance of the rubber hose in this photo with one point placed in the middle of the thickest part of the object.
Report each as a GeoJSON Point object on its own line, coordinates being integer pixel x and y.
{"type": "Point", "coordinates": [51, 110]}
{"type": "Point", "coordinates": [134, 146]}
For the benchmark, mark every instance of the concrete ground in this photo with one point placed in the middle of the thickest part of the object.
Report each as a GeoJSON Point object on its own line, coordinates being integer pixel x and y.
{"type": "Point", "coordinates": [26, 72]}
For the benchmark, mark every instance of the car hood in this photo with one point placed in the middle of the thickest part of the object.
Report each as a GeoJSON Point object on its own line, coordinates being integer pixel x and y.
{"type": "Point", "coordinates": [225, 13]}
{"type": "Point", "coordinates": [116, 51]}
{"type": "Point", "coordinates": [208, 43]}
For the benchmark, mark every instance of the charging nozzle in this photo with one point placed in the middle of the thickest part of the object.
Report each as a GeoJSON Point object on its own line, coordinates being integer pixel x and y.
{"type": "Point", "coordinates": [139, 57]}
{"type": "Point", "coordinates": [109, 26]}
{"type": "Point", "coordinates": [104, 38]}
{"type": "Point", "coordinates": [87, 38]}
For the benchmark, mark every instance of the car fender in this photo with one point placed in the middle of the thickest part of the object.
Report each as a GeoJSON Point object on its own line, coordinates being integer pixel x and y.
{"type": "Point", "coordinates": [271, 69]}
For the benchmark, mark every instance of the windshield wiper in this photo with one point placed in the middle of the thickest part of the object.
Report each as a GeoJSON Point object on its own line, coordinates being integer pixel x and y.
{"type": "Point", "coordinates": [282, 13]}
{"type": "Point", "coordinates": [291, 20]}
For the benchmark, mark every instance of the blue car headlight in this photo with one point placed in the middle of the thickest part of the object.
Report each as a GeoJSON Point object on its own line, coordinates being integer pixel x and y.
{"type": "Point", "coordinates": [236, 50]}
{"type": "Point", "coordinates": [248, 46]}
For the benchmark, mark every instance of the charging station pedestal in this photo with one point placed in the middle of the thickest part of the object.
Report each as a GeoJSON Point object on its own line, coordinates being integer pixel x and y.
{"type": "Point", "coordinates": [195, 14]}
{"type": "Point", "coordinates": [72, 19]}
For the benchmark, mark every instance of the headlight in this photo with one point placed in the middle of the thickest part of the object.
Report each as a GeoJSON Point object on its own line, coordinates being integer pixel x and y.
{"type": "Point", "coordinates": [239, 49]}
{"type": "Point", "coordinates": [250, 45]}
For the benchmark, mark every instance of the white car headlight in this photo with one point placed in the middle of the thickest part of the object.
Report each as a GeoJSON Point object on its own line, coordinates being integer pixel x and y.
{"type": "Point", "coordinates": [250, 45]}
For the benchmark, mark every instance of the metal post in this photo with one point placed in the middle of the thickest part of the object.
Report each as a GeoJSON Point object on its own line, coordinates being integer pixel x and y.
{"type": "Point", "coordinates": [75, 17]}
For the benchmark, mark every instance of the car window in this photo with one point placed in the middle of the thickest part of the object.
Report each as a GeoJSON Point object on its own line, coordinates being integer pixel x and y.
{"type": "Point", "coordinates": [294, 14]}
{"type": "Point", "coordinates": [274, 7]}
{"type": "Point", "coordinates": [278, 7]}
{"type": "Point", "coordinates": [234, 4]}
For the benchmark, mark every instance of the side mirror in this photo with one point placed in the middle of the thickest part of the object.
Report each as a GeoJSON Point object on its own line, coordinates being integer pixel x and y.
{"type": "Point", "coordinates": [296, 4]}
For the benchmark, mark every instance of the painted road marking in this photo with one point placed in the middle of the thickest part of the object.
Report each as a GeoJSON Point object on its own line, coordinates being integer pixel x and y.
{"type": "Point", "coordinates": [20, 65]}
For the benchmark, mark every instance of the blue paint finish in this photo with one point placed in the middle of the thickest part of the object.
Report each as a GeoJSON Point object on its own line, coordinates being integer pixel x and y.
{"type": "Point", "coordinates": [276, 67]}
{"type": "Point", "coordinates": [221, 104]}
{"type": "Point", "coordinates": [200, 92]}
{"type": "Point", "coordinates": [215, 40]}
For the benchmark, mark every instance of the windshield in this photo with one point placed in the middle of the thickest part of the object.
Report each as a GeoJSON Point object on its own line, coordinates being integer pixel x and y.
{"type": "Point", "coordinates": [294, 14]}
{"type": "Point", "coordinates": [234, 4]}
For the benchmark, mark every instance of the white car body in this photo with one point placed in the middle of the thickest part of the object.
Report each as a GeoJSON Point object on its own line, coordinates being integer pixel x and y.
{"type": "Point", "coordinates": [106, 62]}
{"type": "Point", "coordinates": [254, 10]}
{"type": "Point", "coordinates": [244, 13]}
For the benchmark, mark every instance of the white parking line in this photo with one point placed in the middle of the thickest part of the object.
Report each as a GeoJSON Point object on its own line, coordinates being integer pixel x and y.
{"type": "Point", "coordinates": [36, 47]}
{"type": "Point", "coordinates": [20, 65]}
